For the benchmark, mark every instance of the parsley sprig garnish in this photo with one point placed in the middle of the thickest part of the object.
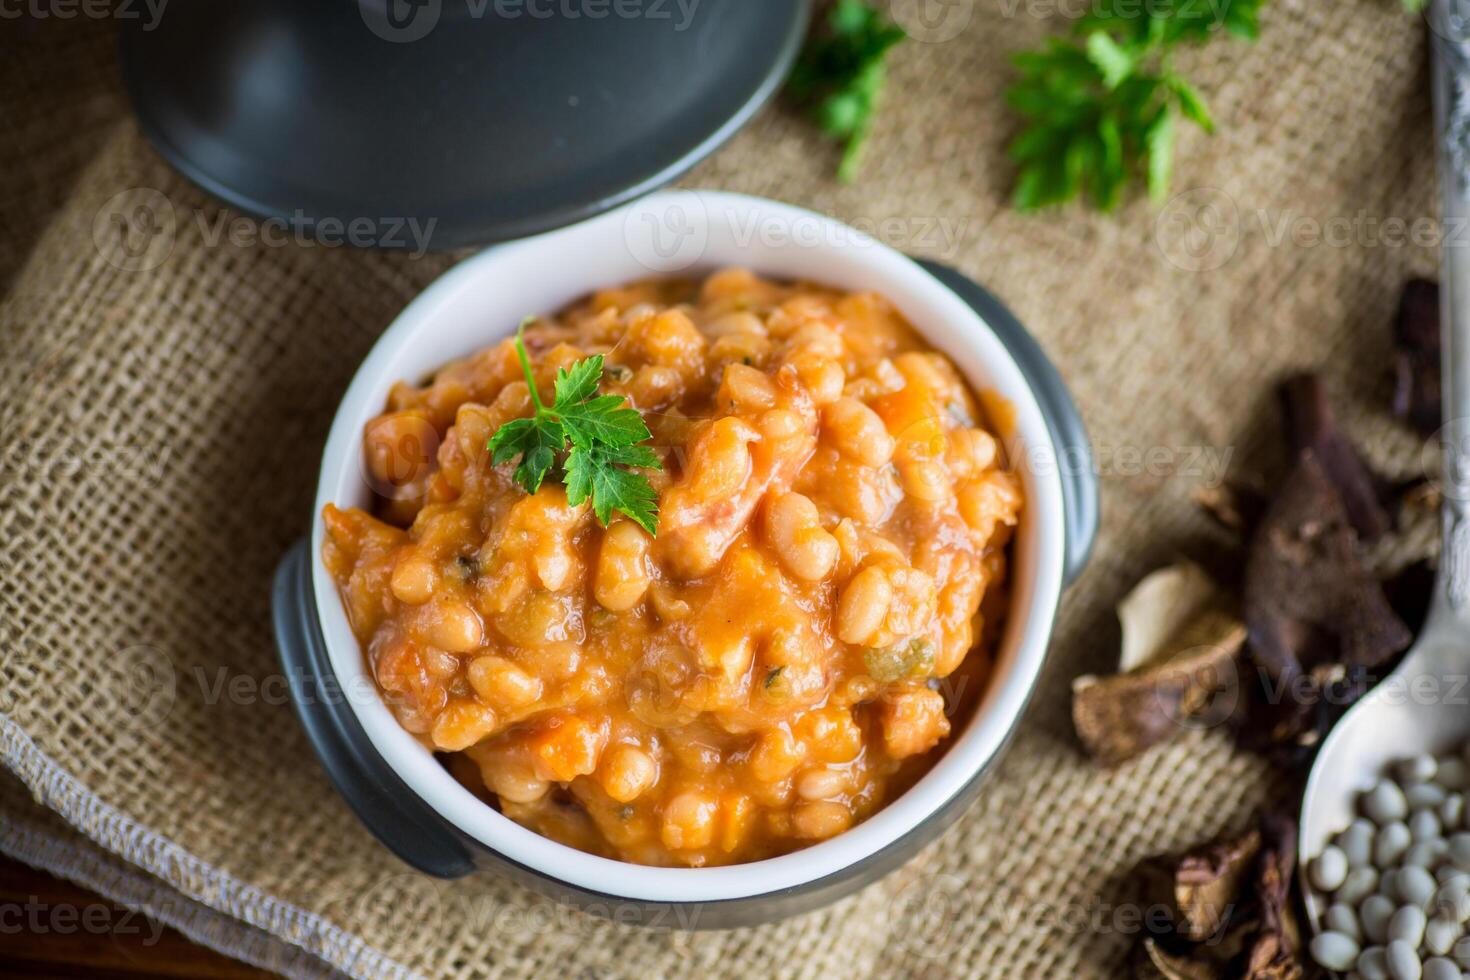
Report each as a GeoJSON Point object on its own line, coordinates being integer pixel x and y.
{"type": "Point", "coordinates": [840, 76]}
{"type": "Point", "coordinates": [590, 439]}
{"type": "Point", "coordinates": [1101, 106]}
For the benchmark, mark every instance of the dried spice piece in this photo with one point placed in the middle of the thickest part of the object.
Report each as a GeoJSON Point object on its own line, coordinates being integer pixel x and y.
{"type": "Point", "coordinates": [1312, 428]}
{"type": "Point", "coordinates": [1416, 390]}
{"type": "Point", "coordinates": [1234, 916]}
{"type": "Point", "coordinates": [1319, 622]}
{"type": "Point", "coordinates": [1203, 886]}
{"type": "Point", "coordinates": [1180, 641]}
{"type": "Point", "coordinates": [1180, 966]}
{"type": "Point", "coordinates": [1276, 954]}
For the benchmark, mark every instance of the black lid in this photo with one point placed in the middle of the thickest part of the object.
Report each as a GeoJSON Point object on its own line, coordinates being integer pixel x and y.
{"type": "Point", "coordinates": [495, 119]}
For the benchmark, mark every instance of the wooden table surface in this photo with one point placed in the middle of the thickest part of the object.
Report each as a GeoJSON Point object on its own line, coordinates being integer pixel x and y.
{"type": "Point", "coordinates": [51, 928]}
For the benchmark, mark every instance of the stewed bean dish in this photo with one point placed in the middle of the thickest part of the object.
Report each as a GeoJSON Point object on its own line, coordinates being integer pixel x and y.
{"type": "Point", "coordinates": [823, 594]}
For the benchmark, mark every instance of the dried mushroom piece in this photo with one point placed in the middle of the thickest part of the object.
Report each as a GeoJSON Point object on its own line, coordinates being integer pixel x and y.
{"type": "Point", "coordinates": [1309, 599]}
{"type": "Point", "coordinates": [1202, 886]}
{"type": "Point", "coordinates": [1160, 607]}
{"type": "Point", "coordinates": [1416, 390]}
{"type": "Point", "coordinates": [1180, 640]}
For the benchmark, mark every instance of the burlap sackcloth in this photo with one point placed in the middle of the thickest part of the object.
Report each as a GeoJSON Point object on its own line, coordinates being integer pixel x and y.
{"type": "Point", "coordinates": [162, 429]}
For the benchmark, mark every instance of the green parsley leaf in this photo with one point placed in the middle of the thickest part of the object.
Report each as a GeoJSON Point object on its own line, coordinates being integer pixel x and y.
{"type": "Point", "coordinates": [589, 438]}
{"type": "Point", "coordinates": [594, 471]}
{"type": "Point", "coordinates": [840, 76]}
{"type": "Point", "coordinates": [1100, 107]}
{"type": "Point", "coordinates": [1111, 58]}
{"type": "Point", "coordinates": [536, 442]}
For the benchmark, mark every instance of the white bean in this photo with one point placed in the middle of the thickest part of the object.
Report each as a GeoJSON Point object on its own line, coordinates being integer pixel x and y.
{"type": "Point", "coordinates": [1341, 918]}
{"type": "Point", "coordinates": [1385, 803]}
{"type": "Point", "coordinates": [1329, 869]}
{"type": "Point", "coordinates": [1374, 914]}
{"type": "Point", "coordinates": [1357, 842]}
{"type": "Point", "coordinates": [1452, 811]}
{"type": "Point", "coordinates": [1414, 885]}
{"type": "Point", "coordinates": [1358, 885]}
{"type": "Point", "coordinates": [1407, 925]}
{"type": "Point", "coordinates": [1426, 854]}
{"type": "Point", "coordinates": [1460, 850]}
{"type": "Point", "coordinates": [1453, 898]}
{"type": "Point", "coordinates": [1392, 841]}
{"type": "Point", "coordinates": [1453, 774]}
{"type": "Point", "coordinates": [1424, 826]}
{"type": "Point", "coordinates": [1403, 961]}
{"type": "Point", "coordinates": [1461, 953]}
{"type": "Point", "coordinates": [1424, 796]}
{"type": "Point", "coordinates": [1417, 768]}
{"type": "Point", "coordinates": [1440, 935]}
{"type": "Point", "coordinates": [1440, 968]}
{"type": "Point", "coordinates": [1335, 951]}
{"type": "Point", "coordinates": [1373, 964]}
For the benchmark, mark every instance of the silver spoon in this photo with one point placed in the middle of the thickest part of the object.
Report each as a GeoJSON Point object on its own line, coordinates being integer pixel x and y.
{"type": "Point", "coordinates": [1424, 705]}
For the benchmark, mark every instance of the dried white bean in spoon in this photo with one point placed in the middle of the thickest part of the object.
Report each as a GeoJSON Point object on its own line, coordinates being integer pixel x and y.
{"type": "Point", "coordinates": [1403, 961]}
{"type": "Point", "coordinates": [1414, 885]}
{"type": "Point", "coordinates": [1407, 925]}
{"type": "Point", "coordinates": [1373, 963]}
{"type": "Point", "coordinates": [1460, 850]}
{"type": "Point", "coordinates": [1334, 950]}
{"type": "Point", "coordinates": [1392, 841]}
{"type": "Point", "coordinates": [1356, 842]}
{"type": "Point", "coordinates": [1452, 811]}
{"type": "Point", "coordinates": [1418, 768]}
{"type": "Point", "coordinates": [1440, 935]}
{"type": "Point", "coordinates": [1329, 870]}
{"type": "Point", "coordinates": [1341, 918]}
{"type": "Point", "coordinates": [1440, 968]}
{"type": "Point", "coordinates": [1423, 827]}
{"type": "Point", "coordinates": [1385, 803]}
{"type": "Point", "coordinates": [1359, 884]}
{"type": "Point", "coordinates": [1374, 914]}
{"type": "Point", "coordinates": [1424, 796]}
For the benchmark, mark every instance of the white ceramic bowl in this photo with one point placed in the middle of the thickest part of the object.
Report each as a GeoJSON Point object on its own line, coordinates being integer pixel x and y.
{"type": "Point", "coordinates": [479, 301]}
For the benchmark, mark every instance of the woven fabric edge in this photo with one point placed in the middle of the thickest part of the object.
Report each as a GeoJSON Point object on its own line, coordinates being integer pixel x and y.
{"type": "Point", "coordinates": [221, 893]}
{"type": "Point", "coordinates": [139, 892]}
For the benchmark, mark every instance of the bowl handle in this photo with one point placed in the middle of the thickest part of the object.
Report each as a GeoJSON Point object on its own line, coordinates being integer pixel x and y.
{"type": "Point", "coordinates": [376, 794]}
{"type": "Point", "coordinates": [1074, 452]}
